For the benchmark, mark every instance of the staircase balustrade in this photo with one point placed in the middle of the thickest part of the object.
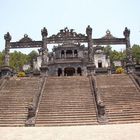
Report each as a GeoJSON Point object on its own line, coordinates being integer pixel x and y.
{"type": "Point", "coordinates": [99, 102]}
{"type": "Point", "coordinates": [33, 106]}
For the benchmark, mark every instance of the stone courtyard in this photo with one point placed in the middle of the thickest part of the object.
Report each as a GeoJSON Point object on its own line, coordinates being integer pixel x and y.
{"type": "Point", "coordinates": [96, 132]}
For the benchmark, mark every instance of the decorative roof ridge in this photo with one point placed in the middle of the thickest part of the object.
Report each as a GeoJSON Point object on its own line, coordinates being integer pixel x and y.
{"type": "Point", "coordinates": [25, 39]}
{"type": "Point", "coordinates": [108, 35]}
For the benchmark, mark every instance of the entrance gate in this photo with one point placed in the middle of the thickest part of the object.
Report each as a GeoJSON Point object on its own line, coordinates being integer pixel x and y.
{"type": "Point", "coordinates": [66, 35]}
{"type": "Point", "coordinates": [69, 71]}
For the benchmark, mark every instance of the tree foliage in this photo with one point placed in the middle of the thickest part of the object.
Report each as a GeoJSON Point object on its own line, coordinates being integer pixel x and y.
{"type": "Point", "coordinates": [108, 50]}
{"type": "Point", "coordinates": [31, 56]}
{"type": "Point", "coordinates": [1, 58]}
{"type": "Point", "coordinates": [119, 56]}
{"type": "Point", "coordinates": [136, 53]}
{"type": "Point", "coordinates": [17, 60]}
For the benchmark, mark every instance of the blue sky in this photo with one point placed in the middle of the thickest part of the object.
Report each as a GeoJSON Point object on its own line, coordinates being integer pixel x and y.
{"type": "Point", "coordinates": [21, 17]}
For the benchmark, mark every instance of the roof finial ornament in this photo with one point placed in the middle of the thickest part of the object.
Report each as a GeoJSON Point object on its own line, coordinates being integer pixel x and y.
{"type": "Point", "coordinates": [126, 32]}
{"type": "Point", "coordinates": [44, 32]}
{"type": "Point", "coordinates": [108, 32]}
{"type": "Point", "coordinates": [7, 36]}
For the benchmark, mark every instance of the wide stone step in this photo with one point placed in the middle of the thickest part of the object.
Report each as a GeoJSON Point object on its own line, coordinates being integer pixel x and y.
{"type": "Point", "coordinates": [63, 121]}
{"type": "Point", "coordinates": [12, 125]}
{"type": "Point", "coordinates": [44, 124]}
{"type": "Point", "coordinates": [68, 113]}
{"type": "Point", "coordinates": [15, 97]}
{"type": "Point", "coordinates": [120, 97]}
{"type": "Point", "coordinates": [69, 102]}
{"type": "Point", "coordinates": [70, 110]}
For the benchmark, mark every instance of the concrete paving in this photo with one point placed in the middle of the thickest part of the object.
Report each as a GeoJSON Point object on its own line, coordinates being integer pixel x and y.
{"type": "Point", "coordinates": [94, 132]}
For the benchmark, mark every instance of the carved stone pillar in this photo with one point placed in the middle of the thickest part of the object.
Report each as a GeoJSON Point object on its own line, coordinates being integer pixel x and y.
{"type": "Point", "coordinates": [90, 66]}
{"type": "Point", "coordinates": [62, 72]}
{"type": "Point", "coordinates": [44, 67]}
{"type": "Point", "coordinates": [90, 44]}
{"type": "Point", "coordinates": [128, 47]}
{"type": "Point", "coordinates": [65, 55]}
{"type": "Point", "coordinates": [129, 63]}
{"type": "Point", "coordinates": [76, 72]}
{"type": "Point", "coordinates": [45, 49]}
{"type": "Point", "coordinates": [73, 53]}
{"type": "Point", "coordinates": [7, 38]}
{"type": "Point", "coordinates": [60, 55]}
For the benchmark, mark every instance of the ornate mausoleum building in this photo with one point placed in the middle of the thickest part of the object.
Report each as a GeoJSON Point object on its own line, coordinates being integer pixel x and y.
{"type": "Point", "coordinates": [71, 59]}
{"type": "Point", "coordinates": [68, 59]}
{"type": "Point", "coordinates": [49, 100]}
{"type": "Point", "coordinates": [73, 53]}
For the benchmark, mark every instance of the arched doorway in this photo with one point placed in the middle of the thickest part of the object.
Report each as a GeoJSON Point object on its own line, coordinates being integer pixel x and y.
{"type": "Point", "coordinates": [75, 53]}
{"type": "Point", "coordinates": [69, 71]}
{"type": "Point", "coordinates": [99, 64]}
{"type": "Point", "coordinates": [59, 71]}
{"type": "Point", "coordinates": [62, 54]}
{"type": "Point", "coordinates": [69, 54]}
{"type": "Point", "coordinates": [79, 71]}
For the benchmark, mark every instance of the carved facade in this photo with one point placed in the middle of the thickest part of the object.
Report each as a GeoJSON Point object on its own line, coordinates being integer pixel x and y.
{"type": "Point", "coordinates": [69, 56]}
{"type": "Point", "coordinates": [72, 59]}
{"type": "Point", "coordinates": [68, 59]}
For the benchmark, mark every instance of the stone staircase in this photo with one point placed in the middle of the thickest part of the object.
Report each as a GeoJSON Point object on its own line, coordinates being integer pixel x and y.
{"type": "Point", "coordinates": [67, 101]}
{"type": "Point", "coordinates": [15, 96]}
{"type": "Point", "coordinates": [121, 98]}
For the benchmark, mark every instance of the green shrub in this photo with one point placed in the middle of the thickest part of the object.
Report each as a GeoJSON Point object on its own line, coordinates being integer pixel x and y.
{"type": "Point", "coordinates": [119, 70]}
{"type": "Point", "coordinates": [21, 74]}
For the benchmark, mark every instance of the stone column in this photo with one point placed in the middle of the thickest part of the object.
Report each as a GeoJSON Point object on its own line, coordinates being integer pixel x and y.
{"type": "Point", "coordinates": [91, 65]}
{"type": "Point", "coordinates": [129, 63]}
{"type": "Point", "coordinates": [7, 38]}
{"type": "Point", "coordinates": [62, 72]}
{"type": "Point", "coordinates": [44, 67]}
{"type": "Point", "coordinates": [60, 56]}
{"type": "Point", "coordinates": [65, 54]}
{"type": "Point", "coordinates": [128, 46]}
{"type": "Point", "coordinates": [44, 34]}
{"type": "Point", "coordinates": [75, 71]}
{"type": "Point", "coordinates": [73, 53]}
{"type": "Point", "coordinates": [90, 44]}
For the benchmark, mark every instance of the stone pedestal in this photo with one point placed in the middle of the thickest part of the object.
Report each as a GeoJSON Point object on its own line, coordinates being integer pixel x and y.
{"type": "Point", "coordinates": [109, 70]}
{"type": "Point", "coordinates": [90, 69]}
{"type": "Point", "coordinates": [6, 71]}
{"type": "Point", "coordinates": [130, 67]}
{"type": "Point", "coordinates": [44, 70]}
{"type": "Point", "coordinates": [137, 69]}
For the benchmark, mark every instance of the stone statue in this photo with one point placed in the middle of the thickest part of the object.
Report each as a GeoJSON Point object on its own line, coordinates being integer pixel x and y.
{"type": "Point", "coordinates": [7, 38]}
{"type": "Point", "coordinates": [31, 111]}
{"type": "Point", "coordinates": [44, 32]}
{"type": "Point", "coordinates": [126, 32]}
{"type": "Point", "coordinates": [89, 31]}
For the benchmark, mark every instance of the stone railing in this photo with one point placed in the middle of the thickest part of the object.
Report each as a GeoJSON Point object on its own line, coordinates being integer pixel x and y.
{"type": "Point", "coordinates": [135, 79]}
{"type": "Point", "coordinates": [34, 105]}
{"type": "Point", "coordinates": [60, 60]}
{"type": "Point", "coordinates": [3, 82]}
{"type": "Point", "coordinates": [99, 102]}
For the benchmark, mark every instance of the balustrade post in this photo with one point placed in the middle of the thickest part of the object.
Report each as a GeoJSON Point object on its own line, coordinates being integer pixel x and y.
{"type": "Point", "coordinates": [91, 65]}
{"type": "Point", "coordinates": [7, 38]}
{"type": "Point", "coordinates": [129, 62]}
{"type": "Point", "coordinates": [44, 68]}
